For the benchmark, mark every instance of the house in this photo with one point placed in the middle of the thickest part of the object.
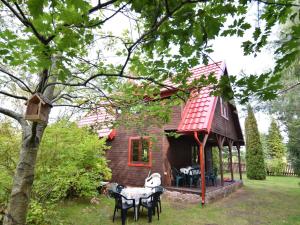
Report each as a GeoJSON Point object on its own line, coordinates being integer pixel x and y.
{"type": "Point", "coordinates": [203, 122]}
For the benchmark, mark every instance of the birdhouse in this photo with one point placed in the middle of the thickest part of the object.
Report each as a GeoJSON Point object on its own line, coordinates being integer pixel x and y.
{"type": "Point", "coordinates": [38, 108]}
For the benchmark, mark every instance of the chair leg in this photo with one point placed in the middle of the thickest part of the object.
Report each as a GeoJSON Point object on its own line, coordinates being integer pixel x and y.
{"type": "Point", "coordinates": [123, 216]}
{"type": "Point", "coordinates": [157, 213]}
{"type": "Point", "coordinates": [114, 214]}
{"type": "Point", "coordinates": [159, 205]}
{"type": "Point", "coordinates": [150, 215]}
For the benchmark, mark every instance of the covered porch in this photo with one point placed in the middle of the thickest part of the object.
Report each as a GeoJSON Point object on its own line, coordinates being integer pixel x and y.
{"type": "Point", "coordinates": [195, 150]}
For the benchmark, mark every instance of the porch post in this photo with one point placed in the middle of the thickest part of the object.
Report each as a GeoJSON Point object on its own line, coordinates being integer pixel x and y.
{"type": "Point", "coordinates": [202, 163]}
{"type": "Point", "coordinates": [230, 144]}
{"type": "Point", "coordinates": [220, 141]}
{"type": "Point", "coordinates": [239, 158]}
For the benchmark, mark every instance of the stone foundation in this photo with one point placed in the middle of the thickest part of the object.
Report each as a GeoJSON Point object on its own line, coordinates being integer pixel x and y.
{"type": "Point", "coordinates": [210, 197]}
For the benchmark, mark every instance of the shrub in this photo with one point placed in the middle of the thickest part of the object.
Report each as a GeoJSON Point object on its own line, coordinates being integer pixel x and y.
{"type": "Point", "coordinates": [275, 166]}
{"type": "Point", "coordinates": [71, 163]}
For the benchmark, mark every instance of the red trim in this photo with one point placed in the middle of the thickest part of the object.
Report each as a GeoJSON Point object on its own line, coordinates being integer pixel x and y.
{"type": "Point", "coordinates": [202, 169]}
{"type": "Point", "coordinates": [112, 135]}
{"type": "Point", "coordinates": [212, 113]}
{"type": "Point", "coordinates": [139, 164]}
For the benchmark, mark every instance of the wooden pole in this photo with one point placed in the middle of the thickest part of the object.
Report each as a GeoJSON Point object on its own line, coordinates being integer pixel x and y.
{"type": "Point", "coordinates": [239, 158]}
{"type": "Point", "coordinates": [202, 164]}
{"type": "Point", "coordinates": [220, 141]}
{"type": "Point", "coordinates": [230, 144]}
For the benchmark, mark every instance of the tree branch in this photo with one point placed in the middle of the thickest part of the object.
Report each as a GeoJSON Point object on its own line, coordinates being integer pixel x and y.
{"type": "Point", "coordinates": [100, 6]}
{"type": "Point", "coordinates": [22, 18]}
{"type": "Point", "coordinates": [16, 78]}
{"type": "Point", "coordinates": [111, 16]}
{"type": "Point", "coordinates": [289, 88]}
{"type": "Point", "coordinates": [13, 96]}
{"type": "Point", "coordinates": [15, 116]}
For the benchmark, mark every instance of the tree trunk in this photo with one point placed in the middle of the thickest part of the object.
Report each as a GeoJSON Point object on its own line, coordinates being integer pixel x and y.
{"type": "Point", "coordinates": [24, 175]}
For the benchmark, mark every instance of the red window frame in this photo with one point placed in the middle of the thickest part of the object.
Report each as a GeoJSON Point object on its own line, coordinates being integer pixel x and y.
{"type": "Point", "coordinates": [130, 152]}
{"type": "Point", "coordinates": [224, 109]}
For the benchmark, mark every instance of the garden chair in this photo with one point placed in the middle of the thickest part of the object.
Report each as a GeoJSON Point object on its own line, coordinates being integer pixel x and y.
{"type": "Point", "coordinates": [121, 203]}
{"type": "Point", "coordinates": [178, 176]}
{"type": "Point", "coordinates": [193, 176]}
{"type": "Point", "coordinates": [161, 190]}
{"type": "Point", "coordinates": [151, 203]}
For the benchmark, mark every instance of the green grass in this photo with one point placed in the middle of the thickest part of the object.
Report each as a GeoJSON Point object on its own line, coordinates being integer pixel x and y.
{"type": "Point", "coordinates": [273, 201]}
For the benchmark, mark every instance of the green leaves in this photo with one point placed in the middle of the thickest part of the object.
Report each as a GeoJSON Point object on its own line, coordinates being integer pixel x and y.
{"type": "Point", "coordinates": [36, 7]}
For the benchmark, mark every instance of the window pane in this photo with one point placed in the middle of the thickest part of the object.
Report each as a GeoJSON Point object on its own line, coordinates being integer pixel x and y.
{"type": "Point", "coordinates": [145, 150]}
{"type": "Point", "coordinates": [135, 150]}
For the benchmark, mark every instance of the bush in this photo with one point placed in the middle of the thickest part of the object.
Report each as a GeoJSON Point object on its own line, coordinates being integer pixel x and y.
{"type": "Point", "coordinates": [9, 150]}
{"type": "Point", "coordinates": [71, 163]}
{"type": "Point", "coordinates": [275, 166]}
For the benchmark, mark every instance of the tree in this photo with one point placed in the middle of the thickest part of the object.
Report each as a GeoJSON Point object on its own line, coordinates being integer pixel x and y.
{"type": "Point", "coordinates": [59, 49]}
{"type": "Point", "coordinates": [254, 154]}
{"type": "Point", "coordinates": [287, 110]}
{"type": "Point", "coordinates": [276, 148]}
{"type": "Point", "coordinates": [293, 145]}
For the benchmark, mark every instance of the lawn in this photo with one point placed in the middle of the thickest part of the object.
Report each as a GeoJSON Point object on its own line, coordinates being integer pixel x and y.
{"type": "Point", "coordinates": [274, 201]}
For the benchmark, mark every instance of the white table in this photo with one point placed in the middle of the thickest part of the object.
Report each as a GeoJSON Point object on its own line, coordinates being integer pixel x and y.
{"type": "Point", "coordinates": [186, 170]}
{"type": "Point", "coordinates": [136, 193]}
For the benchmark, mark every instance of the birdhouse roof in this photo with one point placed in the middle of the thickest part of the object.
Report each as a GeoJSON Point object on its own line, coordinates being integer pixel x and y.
{"type": "Point", "coordinates": [42, 98]}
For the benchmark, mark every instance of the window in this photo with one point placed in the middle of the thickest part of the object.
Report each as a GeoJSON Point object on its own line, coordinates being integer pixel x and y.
{"type": "Point", "coordinates": [224, 108]}
{"type": "Point", "coordinates": [139, 151]}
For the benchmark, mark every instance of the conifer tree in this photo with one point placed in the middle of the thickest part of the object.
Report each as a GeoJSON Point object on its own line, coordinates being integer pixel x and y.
{"type": "Point", "coordinates": [254, 153]}
{"type": "Point", "coordinates": [276, 148]}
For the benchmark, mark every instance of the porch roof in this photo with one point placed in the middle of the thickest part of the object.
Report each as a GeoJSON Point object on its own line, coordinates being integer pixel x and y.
{"type": "Point", "coordinates": [199, 109]}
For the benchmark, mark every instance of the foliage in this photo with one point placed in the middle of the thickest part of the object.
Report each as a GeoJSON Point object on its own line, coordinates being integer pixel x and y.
{"type": "Point", "coordinates": [274, 139]}
{"type": "Point", "coordinates": [40, 214]}
{"type": "Point", "coordinates": [286, 107]}
{"type": "Point", "coordinates": [71, 163]}
{"type": "Point", "coordinates": [254, 153]}
{"type": "Point", "coordinates": [294, 143]}
{"type": "Point", "coordinates": [275, 166]}
{"type": "Point", "coordinates": [216, 160]}
{"type": "Point", "coordinates": [276, 148]}
{"type": "Point", "coordinates": [9, 145]}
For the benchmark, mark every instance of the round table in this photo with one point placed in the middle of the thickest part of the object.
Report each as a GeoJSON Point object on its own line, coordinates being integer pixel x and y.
{"type": "Point", "coordinates": [136, 193]}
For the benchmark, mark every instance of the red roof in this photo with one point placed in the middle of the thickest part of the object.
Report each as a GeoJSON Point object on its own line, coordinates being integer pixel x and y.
{"type": "Point", "coordinates": [199, 109]}
{"type": "Point", "coordinates": [102, 119]}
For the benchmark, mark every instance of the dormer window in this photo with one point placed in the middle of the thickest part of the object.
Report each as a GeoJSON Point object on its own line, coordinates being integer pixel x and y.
{"type": "Point", "coordinates": [224, 108]}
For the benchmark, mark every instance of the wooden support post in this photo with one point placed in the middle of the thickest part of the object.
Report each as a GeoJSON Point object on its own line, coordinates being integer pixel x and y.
{"type": "Point", "coordinates": [230, 145]}
{"type": "Point", "coordinates": [220, 141]}
{"type": "Point", "coordinates": [239, 158]}
{"type": "Point", "coordinates": [202, 163]}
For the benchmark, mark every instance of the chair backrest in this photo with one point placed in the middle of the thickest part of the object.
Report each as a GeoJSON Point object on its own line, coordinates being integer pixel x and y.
{"type": "Point", "coordinates": [119, 188]}
{"type": "Point", "coordinates": [118, 198]}
{"type": "Point", "coordinates": [193, 172]}
{"type": "Point", "coordinates": [154, 198]}
{"type": "Point", "coordinates": [159, 189]}
{"type": "Point", "coordinates": [175, 172]}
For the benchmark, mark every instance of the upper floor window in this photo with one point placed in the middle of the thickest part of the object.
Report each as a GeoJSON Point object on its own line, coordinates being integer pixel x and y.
{"type": "Point", "coordinates": [139, 151]}
{"type": "Point", "coordinates": [224, 108]}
